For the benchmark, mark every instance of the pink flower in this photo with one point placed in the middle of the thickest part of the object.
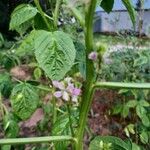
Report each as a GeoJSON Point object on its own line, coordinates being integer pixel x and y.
{"type": "Point", "coordinates": [93, 56]}
{"type": "Point", "coordinates": [67, 90]}
{"type": "Point", "coordinates": [73, 90]}
{"type": "Point", "coordinates": [58, 94]}
{"type": "Point", "coordinates": [76, 92]}
{"type": "Point", "coordinates": [70, 87]}
{"type": "Point", "coordinates": [59, 85]}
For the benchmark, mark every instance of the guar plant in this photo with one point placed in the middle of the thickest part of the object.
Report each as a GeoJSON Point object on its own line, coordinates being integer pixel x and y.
{"type": "Point", "coordinates": [56, 54]}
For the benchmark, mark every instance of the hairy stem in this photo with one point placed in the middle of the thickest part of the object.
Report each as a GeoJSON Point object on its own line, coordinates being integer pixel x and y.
{"type": "Point", "coordinates": [87, 89]}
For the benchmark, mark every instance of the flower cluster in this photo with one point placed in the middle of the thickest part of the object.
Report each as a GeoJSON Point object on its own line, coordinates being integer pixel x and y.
{"type": "Point", "coordinates": [66, 90]}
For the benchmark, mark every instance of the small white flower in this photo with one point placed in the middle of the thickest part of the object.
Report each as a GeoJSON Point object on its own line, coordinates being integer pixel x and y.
{"type": "Point", "coordinates": [75, 99]}
{"type": "Point", "coordinates": [68, 80]}
{"type": "Point", "coordinates": [73, 20]}
{"type": "Point", "coordinates": [65, 96]}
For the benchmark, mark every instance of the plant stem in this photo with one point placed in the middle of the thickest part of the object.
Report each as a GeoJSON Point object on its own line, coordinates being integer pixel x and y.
{"type": "Point", "coordinates": [87, 88]}
{"type": "Point", "coordinates": [121, 85]}
{"type": "Point", "coordinates": [54, 110]}
{"type": "Point", "coordinates": [35, 140]}
{"type": "Point", "coordinates": [56, 13]}
{"type": "Point", "coordinates": [43, 88]}
{"type": "Point", "coordinates": [42, 14]}
{"type": "Point", "coordinates": [70, 120]}
{"type": "Point", "coordinates": [70, 123]}
{"type": "Point", "coordinates": [1, 107]}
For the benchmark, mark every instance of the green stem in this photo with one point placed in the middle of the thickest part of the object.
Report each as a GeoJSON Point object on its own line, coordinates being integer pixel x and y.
{"type": "Point", "coordinates": [56, 13]}
{"type": "Point", "coordinates": [87, 89]}
{"type": "Point", "coordinates": [1, 106]}
{"type": "Point", "coordinates": [70, 120]}
{"type": "Point", "coordinates": [35, 140]}
{"type": "Point", "coordinates": [54, 110]}
{"type": "Point", "coordinates": [121, 85]}
{"type": "Point", "coordinates": [43, 88]}
{"type": "Point", "coordinates": [42, 14]}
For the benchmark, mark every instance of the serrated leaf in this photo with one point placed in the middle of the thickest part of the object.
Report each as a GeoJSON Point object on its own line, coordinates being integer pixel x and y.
{"type": "Point", "coordinates": [117, 143]}
{"type": "Point", "coordinates": [22, 14]}
{"type": "Point", "coordinates": [131, 11]}
{"type": "Point", "coordinates": [24, 100]}
{"type": "Point", "coordinates": [24, 27]}
{"type": "Point", "coordinates": [55, 53]}
{"type": "Point", "coordinates": [107, 5]}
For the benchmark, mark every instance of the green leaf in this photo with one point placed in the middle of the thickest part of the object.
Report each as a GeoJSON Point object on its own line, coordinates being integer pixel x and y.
{"type": "Point", "coordinates": [145, 120]}
{"type": "Point", "coordinates": [37, 73]}
{"type": "Point", "coordinates": [24, 27]}
{"type": "Point", "coordinates": [144, 137]}
{"type": "Point", "coordinates": [144, 103]}
{"type": "Point", "coordinates": [131, 11]}
{"type": "Point", "coordinates": [81, 58]}
{"type": "Point", "coordinates": [125, 111]}
{"type": "Point", "coordinates": [55, 53]}
{"type": "Point", "coordinates": [21, 15]}
{"type": "Point", "coordinates": [131, 103]}
{"type": "Point", "coordinates": [117, 143]}
{"type": "Point", "coordinates": [130, 129]}
{"type": "Point", "coordinates": [135, 147]}
{"type": "Point", "coordinates": [117, 109]}
{"type": "Point", "coordinates": [10, 126]}
{"type": "Point", "coordinates": [62, 127]}
{"type": "Point", "coordinates": [6, 147]}
{"type": "Point", "coordinates": [5, 85]}
{"type": "Point", "coordinates": [141, 61]}
{"type": "Point", "coordinates": [141, 111]}
{"type": "Point", "coordinates": [107, 5]}
{"type": "Point", "coordinates": [24, 100]}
